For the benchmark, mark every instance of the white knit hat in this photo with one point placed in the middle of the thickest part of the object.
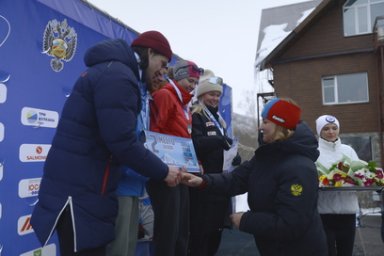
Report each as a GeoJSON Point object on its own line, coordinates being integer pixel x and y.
{"type": "Point", "coordinates": [206, 75]}
{"type": "Point", "coordinates": [214, 83]}
{"type": "Point", "coordinates": [324, 120]}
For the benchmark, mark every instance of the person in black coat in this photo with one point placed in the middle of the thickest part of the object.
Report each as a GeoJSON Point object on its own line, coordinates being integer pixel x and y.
{"type": "Point", "coordinates": [208, 211]}
{"type": "Point", "coordinates": [282, 185]}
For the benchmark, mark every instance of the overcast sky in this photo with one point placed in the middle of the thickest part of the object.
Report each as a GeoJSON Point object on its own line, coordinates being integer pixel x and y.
{"type": "Point", "coordinates": [220, 35]}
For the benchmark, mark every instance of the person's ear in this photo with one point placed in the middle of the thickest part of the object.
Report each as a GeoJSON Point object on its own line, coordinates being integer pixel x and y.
{"type": "Point", "coordinates": [151, 52]}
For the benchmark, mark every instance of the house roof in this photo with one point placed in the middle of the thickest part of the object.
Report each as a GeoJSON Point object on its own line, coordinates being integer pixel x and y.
{"type": "Point", "coordinates": [279, 26]}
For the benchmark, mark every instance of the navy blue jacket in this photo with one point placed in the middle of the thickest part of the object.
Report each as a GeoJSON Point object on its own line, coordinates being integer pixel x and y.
{"type": "Point", "coordinates": [282, 185]}
{"type": "Point", "coordinates": [95, 135]}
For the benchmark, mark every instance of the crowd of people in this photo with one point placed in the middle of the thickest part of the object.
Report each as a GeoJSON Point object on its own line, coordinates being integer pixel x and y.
{"type": "Point", "coordinates": [98, 168]}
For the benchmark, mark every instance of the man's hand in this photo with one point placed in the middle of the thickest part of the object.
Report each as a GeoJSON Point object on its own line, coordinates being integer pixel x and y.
{"type": "Point", "coordinates": [174, 176]}
{"type": "Point", "coordinates": [236, 218]}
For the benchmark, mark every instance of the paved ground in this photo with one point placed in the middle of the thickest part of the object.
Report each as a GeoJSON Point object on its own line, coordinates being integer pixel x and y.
{"type": "Point", "coordinates": [236, 243]}
{"type": "Point", "coordinates": [368, 240]}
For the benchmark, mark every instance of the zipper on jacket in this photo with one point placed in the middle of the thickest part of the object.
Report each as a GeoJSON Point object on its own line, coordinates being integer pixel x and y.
{"type": "Point", "coordinates": [105, 178]}
{"type": "Point", "coordinates": [73, 223]}
{"type": "Point", "coordinates": [69, 202]}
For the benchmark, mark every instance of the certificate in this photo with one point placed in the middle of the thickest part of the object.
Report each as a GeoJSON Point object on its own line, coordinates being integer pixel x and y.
{"type": "Point", "coordinates": [173, 150]}
{"type": "Point", "coordinates": [229, 155]}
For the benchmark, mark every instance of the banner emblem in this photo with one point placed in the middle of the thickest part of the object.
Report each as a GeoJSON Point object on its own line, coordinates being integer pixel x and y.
{"type": "Point", "coordinates": [59, 42]}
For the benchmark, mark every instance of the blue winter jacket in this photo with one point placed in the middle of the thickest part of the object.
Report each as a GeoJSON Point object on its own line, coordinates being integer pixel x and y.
{"type": "Point", "coordinates": [95, 135]}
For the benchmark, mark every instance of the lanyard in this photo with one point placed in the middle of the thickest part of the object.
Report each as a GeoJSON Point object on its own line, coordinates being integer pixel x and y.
{"type": "Point", "coordinates": [143, 118]}
{"type": "Point", "coordinates": [214, 120]}
{"type": "Point", "coordinates": [185, 107]}
{"type": "Point", "coordinates": [144, 113]}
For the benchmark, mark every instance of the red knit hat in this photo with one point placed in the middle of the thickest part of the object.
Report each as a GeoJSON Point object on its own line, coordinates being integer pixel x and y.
{"type": "Point", "coordinates": [282, 113]}
{"type": "Point", "coordinates": [154, 40]}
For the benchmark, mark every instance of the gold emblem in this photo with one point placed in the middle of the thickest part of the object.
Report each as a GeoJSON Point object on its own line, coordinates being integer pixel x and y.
{"type": "Point", "coordinates": [296, 189]}
{"type": "Point", "coordinates": [59, 42]}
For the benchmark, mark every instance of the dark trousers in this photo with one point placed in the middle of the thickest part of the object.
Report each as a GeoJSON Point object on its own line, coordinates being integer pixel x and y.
{"type": "Point", "coordinates": [340, 230]}
{"type": "Point", "coordinates": [66, 238]}
{"type": "Point", "coordinates": [206, 243]}
{"type": "Point", "coordinates": [171, 208]}
{"type": "Point", "coordinates": [208, 215]}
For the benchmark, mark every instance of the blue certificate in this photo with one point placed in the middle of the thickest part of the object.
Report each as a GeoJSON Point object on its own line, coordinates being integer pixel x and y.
{"type": "Point", "coordinates": [173, 150]}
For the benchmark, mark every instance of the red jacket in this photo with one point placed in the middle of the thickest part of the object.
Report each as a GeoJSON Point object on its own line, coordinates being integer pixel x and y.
{"type": "Point", "coordinates": [169, 114]}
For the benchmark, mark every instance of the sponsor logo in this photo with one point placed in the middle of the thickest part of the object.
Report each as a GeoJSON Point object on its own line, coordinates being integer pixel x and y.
{"type": "Point", "coordinates": [39, 117]}
{"type": "Point", "coordinates": [59, 42]}
{"type": "Point", "coordinates": [330, 119]}
{"type": "Point", "coordinates": [3, 93]}
{"type": "Point", "coordinates": [29, 187]}
{"type": "Point", "coordinates": [33, 152]}
{"type": "Point", "coordinates": [278, 119]}
{"type": "Point", "coordinates": [24, 225]}
{"type": "Point", "coordinates": [48, 250]}
{"type": "Point", "coordinates": [1, 132]}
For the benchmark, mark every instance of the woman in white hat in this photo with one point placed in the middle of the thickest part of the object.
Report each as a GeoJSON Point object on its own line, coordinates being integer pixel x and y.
{"type": "Point", "coordinates": [209, 135]}
{"type": "Point", "coordinates": [337, 208]}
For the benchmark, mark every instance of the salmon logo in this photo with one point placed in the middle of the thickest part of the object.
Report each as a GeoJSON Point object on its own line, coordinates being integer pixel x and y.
{"type": "Point", "coordinates": [39, 150]}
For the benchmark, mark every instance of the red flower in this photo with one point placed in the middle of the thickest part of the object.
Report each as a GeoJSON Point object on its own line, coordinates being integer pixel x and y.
{"type": "Point", "coordinates": [337, 177]}
{"type": "Point", "coordinates": [368, 182]}
{"type": "Point", "coordinates": [360, 176]}
{"type": "Point", "coordinates": [379, 173]}
{"type": "Point", "coordinates": [343, 167]}
{"type": "Point", "coordinates": [349, 180]}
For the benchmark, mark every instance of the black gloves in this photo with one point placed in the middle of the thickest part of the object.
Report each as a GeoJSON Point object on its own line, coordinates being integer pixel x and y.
{"type": "Point", "coordinates": [227, 143]}
{"type": "Point", "coordinates": [236, 160]}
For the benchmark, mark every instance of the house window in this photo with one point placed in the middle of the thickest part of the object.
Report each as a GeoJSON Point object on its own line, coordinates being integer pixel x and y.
{"type": "Point", "coordinates": [359, 16]}
{"type": "Point", "coordinates": [362, 144]}
{"type": "Point", "coordinates": [345, 89]}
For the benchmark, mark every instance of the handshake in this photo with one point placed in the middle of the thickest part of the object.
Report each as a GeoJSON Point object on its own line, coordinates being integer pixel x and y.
{"type": "Point", "coordinates": [177, 175]}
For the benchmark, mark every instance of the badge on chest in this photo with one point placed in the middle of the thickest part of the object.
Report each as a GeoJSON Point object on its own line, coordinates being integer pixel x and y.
{"type": "Point", "coordinates": [209, 125]}
{"type": "Point", "coordinates": [212, 133]}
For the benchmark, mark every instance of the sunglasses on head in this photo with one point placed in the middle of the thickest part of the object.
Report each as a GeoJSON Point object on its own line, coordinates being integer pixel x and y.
{"type": "Point", "coordinates": [216, 80]}
{"type": "Point", "coordinates": [197, 69]}
{"type": "Point", "coordinates": [193, 68]}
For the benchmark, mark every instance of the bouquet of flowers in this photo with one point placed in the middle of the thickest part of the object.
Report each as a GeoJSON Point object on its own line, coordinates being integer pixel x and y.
{"type": "Point", "coordinates": [348, 172]}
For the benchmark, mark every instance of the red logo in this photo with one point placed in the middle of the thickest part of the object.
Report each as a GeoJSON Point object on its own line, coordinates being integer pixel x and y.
{"type": "Point", "coordinates": [27, 225]}
{"type": "Point", "coordinates": [24, 225]}
{"type": "Point", "coordinates": [39, 150]}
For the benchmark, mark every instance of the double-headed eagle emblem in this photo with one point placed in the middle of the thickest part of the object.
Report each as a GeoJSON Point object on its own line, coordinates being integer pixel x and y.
{"type": "Point", "coordinates": [60, 42]}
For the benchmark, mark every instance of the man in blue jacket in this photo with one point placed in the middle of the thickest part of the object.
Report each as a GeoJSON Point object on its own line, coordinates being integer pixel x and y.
{"type": "Point", "coordinates": [98, 132]}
